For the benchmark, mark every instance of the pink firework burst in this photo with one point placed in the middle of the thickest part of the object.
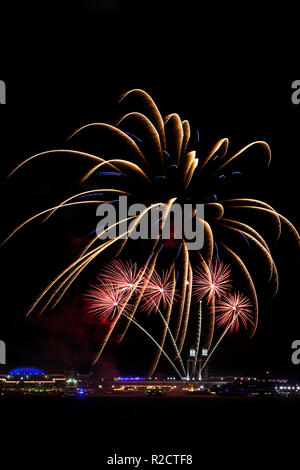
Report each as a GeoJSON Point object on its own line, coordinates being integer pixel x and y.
{"type": "Point", "coordinates": [123, 276]}
{"type": "Point", "coordinates": [232, 309]}
{"type": "Point", "coordinates": [159, 291]}
{"type": "Point", "coordinates": [105, 302]}
{"type": "Point", "coordinates": [212, 281]}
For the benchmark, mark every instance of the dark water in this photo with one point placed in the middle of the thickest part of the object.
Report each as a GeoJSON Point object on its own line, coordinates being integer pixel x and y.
{"type": "Point", "coordinates": [73, 432]}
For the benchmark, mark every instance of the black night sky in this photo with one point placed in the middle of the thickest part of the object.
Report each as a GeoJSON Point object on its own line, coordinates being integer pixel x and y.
{"type": "Point", "coordinates": [68, 69]}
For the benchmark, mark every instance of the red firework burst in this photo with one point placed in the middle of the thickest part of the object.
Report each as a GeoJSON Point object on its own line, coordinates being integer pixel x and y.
{"type": "Point", "coordinates": [234, 308]}
{"type": "Point", "coordinates": [214, 280]}
{"type": "Point", "coordinates": [123, 276]}
{"type": "Point", "coordinates": [105, 302]}
{"type": "Point", "coordinates": [159, 290]}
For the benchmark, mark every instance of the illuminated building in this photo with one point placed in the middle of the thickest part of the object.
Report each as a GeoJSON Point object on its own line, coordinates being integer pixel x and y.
{"type": "Point", "coordinates": [77, 382]}
{"type": "Point", "coordinates": [194, 369]}
{"type": "Point", "coordinates": [31, 380]}
{"type": "Point", "coordinates": [252, 386]}
{"type": "Point", "coordinates": [191, 365]}
{"type": "Point", "coordinates": [203, 374]}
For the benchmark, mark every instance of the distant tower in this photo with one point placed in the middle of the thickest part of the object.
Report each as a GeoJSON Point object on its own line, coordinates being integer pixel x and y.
{"type": "Point", "coordinates": [191, 364]}
{"type": "Point", "coordinates": [203, 374]}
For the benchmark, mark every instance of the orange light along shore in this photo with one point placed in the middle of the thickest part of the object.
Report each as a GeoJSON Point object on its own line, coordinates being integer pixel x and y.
{"type": "Point", "coordinates": [33, 382]}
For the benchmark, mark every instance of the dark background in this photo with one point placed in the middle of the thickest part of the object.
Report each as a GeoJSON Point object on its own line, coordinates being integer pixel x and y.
{"type": "Point", "coordinates": [66, 66]}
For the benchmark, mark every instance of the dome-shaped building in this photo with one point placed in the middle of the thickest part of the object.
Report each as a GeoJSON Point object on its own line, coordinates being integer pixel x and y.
{"type": "Point", "coordinates": [28, 380]}
{"type": "Point", "coordinates": [26, 371]}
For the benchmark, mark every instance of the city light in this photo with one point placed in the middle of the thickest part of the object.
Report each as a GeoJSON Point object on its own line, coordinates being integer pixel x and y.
{"type": "Point", "coordinates": [131, 379]}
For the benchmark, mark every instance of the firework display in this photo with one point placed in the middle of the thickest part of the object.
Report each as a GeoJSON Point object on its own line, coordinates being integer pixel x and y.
{"type": "Point", "coordinates": [233, 309]}
{"type": "Point", "coordinates": [158, 167]}
{"type": "Point", "coordinates": [214, 281]}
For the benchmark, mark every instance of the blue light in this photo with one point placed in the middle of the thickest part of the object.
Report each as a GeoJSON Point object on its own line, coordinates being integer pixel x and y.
{"type": "Point", "coordinates": [26, 371]}
{"type": "Point", "coordinates": [128, 379]}
{"type": "Point", "coordinates": [96, 193]}
{"type": "Point", "coordinates": [133, 135]}
{"type": "Point", "coordinates": [178, 252]}
{"type": "Point", "coordinates": [244, 236]}
{"type": "Point", "coordinates": [108, 173]}
{"type": "Point", "coordinates": [80, 392]}
{"type": "Point", "coordinates": [217, 252]}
